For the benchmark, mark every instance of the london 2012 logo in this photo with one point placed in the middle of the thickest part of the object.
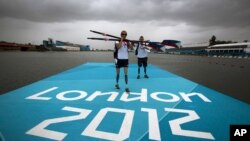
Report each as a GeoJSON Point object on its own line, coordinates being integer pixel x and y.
{"type": "Point", "coordinates": [129, 119]}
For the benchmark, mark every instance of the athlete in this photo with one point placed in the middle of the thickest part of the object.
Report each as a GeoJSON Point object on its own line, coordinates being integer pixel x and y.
{"type": "Point", "coordinates": [142, 57]}
{"type": "Point", "coordinates": [122, 59]}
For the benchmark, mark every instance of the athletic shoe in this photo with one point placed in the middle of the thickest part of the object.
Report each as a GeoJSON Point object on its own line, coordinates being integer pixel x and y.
{"type": "Point", "coordinates": [138, 77]}
{"type": "Point", "coordinates": [127, 90]}
{"type": "Point", "coordinates": [117, 86]}
{"type": "Point", "coordinates": [146, 76]}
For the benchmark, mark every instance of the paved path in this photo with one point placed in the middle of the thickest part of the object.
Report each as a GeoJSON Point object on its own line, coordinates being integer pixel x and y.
{"type": "Point", "coordinates": [81, 103]}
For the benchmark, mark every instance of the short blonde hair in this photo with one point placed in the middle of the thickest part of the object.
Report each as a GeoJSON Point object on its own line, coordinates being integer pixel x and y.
{"type": "Point", "coordinates": [141, 37]}
{"type": "Point", "coordinates": [124, 31]}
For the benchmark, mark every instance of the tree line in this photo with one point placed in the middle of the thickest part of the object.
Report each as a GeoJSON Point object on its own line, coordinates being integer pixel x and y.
{"type": "Point", "coordinates": [213, 41]}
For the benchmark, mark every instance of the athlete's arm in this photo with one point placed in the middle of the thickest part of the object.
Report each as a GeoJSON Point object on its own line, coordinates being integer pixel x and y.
{"type": "Point", "coordinates": [130, 45]}
{"type": "Point", "coordinates": [119, 45]}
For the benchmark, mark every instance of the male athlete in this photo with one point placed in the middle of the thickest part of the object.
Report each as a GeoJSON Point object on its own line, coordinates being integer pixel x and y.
{"type": "Point", "coordinates": [142, 57]}
{"type": "Point", "coordinates": [122, 58]}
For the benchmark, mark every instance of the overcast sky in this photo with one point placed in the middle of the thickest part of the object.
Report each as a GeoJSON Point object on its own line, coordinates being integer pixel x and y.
{"type": "Point", "coordinates": [190, 21]}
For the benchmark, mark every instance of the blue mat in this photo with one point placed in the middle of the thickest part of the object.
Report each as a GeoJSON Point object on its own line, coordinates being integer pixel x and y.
{"type": "Point", "coordinates": [83, 104]}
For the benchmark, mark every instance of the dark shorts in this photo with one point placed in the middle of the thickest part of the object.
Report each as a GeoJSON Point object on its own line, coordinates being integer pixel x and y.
{"type": "Point", "coordinates": [121, 63]}
{"type": "Point", "coordinates": [143, 61]}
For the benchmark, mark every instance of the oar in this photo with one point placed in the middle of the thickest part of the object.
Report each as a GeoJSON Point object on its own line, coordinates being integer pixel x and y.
{"type": "Point", "coordinates": [105, 39]}
{"type": "Point", "coordinates": [104, 34]}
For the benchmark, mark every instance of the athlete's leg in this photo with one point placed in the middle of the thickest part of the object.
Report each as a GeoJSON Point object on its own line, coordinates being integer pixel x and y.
{"type": "Point", "coordinates": [145, 64]}
{"type": "Point", "coordinates": [139, 66]}
{"type": "Point", "coordinates": [126, 75]}
{"type": "Point", "coordinates": [117, 77]}
{"type": "Point", "coordinates": [126, 78]}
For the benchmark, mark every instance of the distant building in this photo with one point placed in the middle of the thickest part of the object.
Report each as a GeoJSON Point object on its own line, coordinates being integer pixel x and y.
{"type": "Point", "coordinates": [15, 46]}
{"type": "Point", "coordinates": [188, 50]}
{"type": "Point", "coordinates": [84, 48]}
{"type": "Point", "coordinates": [64, 46]}
{"type": "Point", "coordinates": [233, 49]}
{"type": "Point", "coordinates": [71, 46]}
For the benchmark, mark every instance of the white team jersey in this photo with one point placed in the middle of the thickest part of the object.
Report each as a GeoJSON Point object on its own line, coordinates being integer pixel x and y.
{"type": "Point", "coordinates": [123, 51]}
{"type": "Point", "coordinates": [142, 53]}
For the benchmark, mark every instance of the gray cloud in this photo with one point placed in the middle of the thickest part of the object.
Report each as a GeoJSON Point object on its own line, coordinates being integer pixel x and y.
{"type": "Point", "coordinates": [169, 12]}
{"type": "Point", "coordinates": [185, 20]}
{"type": "Point", "coordinates": [45, 10]}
